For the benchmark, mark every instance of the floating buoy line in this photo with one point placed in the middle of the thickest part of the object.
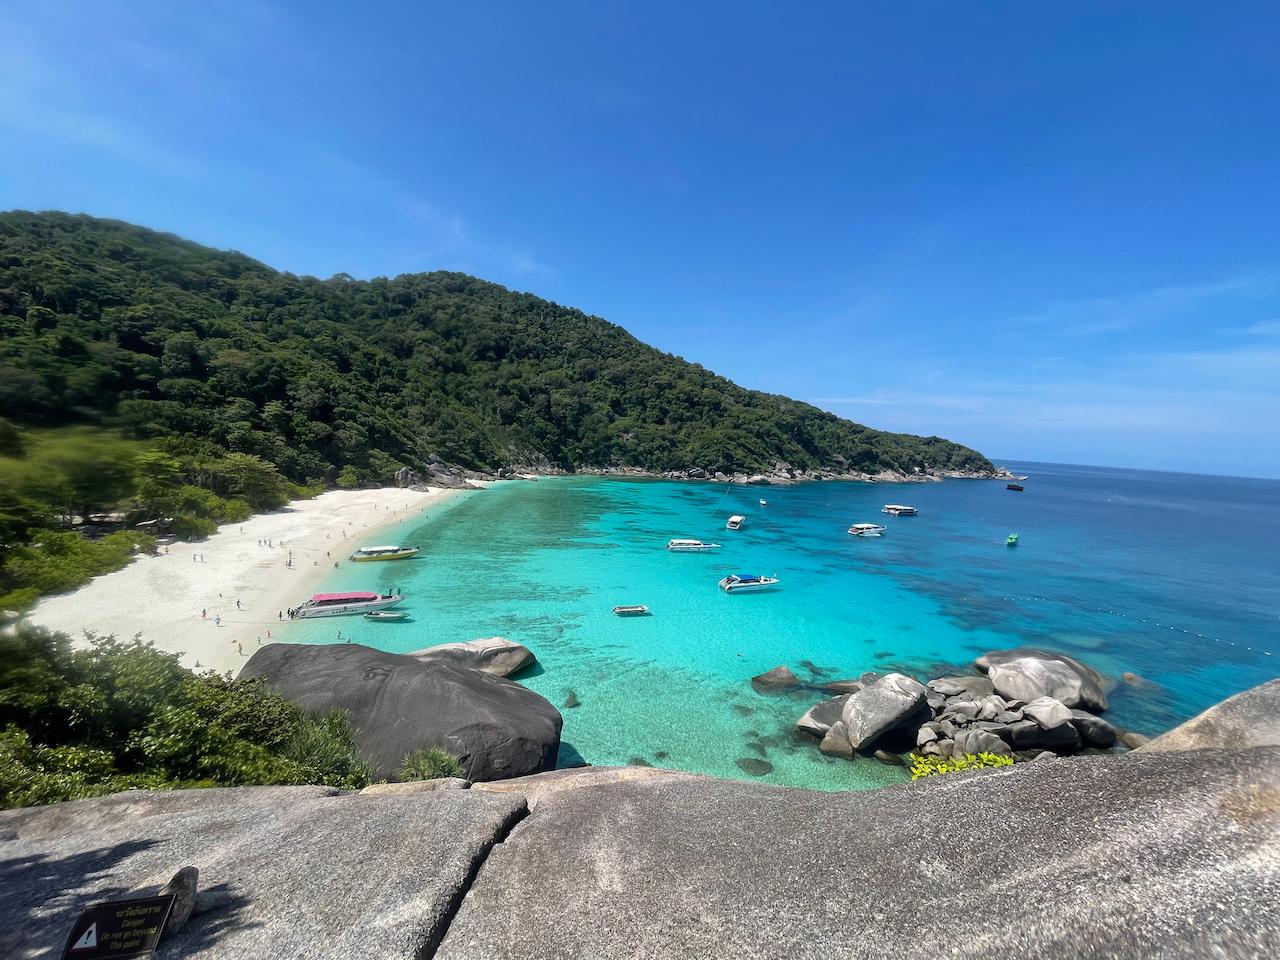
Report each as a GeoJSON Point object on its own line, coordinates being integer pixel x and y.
{"type": "Point", "coordinates": [1154, 623]}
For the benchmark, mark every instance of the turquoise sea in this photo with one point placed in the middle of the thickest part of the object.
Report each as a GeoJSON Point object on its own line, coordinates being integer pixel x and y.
{"type": "Point", "coordinates": [1167, 576]}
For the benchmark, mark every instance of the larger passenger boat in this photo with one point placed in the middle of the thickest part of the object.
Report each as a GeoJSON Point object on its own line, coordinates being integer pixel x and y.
{"type": "Point", "coordinates": [745, 581]}
{"type": "Point", "coordinates": [899, 510]}
{"type": "Point", "coordinates": [690, 546]}
{"type": "Point", "coordinates": [365, 554]}
{"type": "Point", "coordinates": [343, 604]}
{"type": "Point", "coordinates": [866, 529]}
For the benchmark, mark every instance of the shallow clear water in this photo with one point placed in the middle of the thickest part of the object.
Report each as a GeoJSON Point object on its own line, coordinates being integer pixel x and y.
{"type": "Point", "coordinates": [1168, 576]}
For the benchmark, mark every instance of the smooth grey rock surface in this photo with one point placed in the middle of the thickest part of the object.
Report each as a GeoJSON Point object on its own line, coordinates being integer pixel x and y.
{"type": "Point", "coordinates": [880, 707]}
{"type": "Point", "coordinates": [1025, 673]}
{"type": "Point", "coordinates": [1093, 730]}
{"type": "Point", "coordinates": [780, 676]}
{"type": "Point", "coordinates": [1027, 734]}
{"type": "Point", "coordinates": [1176, 857]}
{"type": "Point", "coordinates": [1047, 712]}
{"type": "Point", "coordinates": [1249, 719]}
{"type": "Point", "coordinates": [817, 720]}
{"type": "Point", "coordinates": [496, 655]}
{"type": "Point", "coordinates": [971, 688]}
{"type": "Point", "coordinates": [293, 872]}
{"type": "Point", "coordinates": [842, 686]}
{"type": "Point", "coordinates": [979, 741]}
{"type": "Point", "coordinates": [540, 785]}
{"type": "Point", "coordinates": [399, 703]}
{"type": "Point", "coordinates": [1030, 678]}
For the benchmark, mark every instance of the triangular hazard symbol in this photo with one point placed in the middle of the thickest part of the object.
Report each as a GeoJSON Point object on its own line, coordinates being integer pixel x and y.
{"type": "Point", "coordinates": [90, 938]}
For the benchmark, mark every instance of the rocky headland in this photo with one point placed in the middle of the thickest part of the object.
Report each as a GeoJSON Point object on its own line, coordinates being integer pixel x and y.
{"type": "Point", "coordinates": [1172, 854]}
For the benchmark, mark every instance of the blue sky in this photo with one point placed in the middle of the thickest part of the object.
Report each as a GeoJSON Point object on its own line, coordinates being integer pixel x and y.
{"type": "Point", "coordinates": [1049, 231]}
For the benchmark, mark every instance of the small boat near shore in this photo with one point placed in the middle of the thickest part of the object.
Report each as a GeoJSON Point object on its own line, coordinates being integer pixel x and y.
{"type": "Point", "coordinates": [386, 616]}
{"type": "Point", "coordinates": [690, 546]}
{"type": "Point", "coordinates": [867, 529]}
{"type": "Point", "coordinates": [1015, 487]}
{"type": "Point", "coordinates": [343, 605]}
{"type": "Point", "coordinates": [735, 522]}
{"type": "Point", "coordinates": [367, 554]}
{"type": "Point", "coordinates": [632, 610]}
{"type": "Point", "coordinates": [745, 581]}
{"type": "Point", "coordinates": [899, 510]}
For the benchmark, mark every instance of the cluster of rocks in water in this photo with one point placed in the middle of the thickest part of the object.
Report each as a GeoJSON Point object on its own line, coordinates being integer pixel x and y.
{"type": "Point", "coordinates": [1026, 703]}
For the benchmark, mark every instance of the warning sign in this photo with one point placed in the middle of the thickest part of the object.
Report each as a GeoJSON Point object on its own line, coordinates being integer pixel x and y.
{"type": "Point", "coordinates": [118, 929]}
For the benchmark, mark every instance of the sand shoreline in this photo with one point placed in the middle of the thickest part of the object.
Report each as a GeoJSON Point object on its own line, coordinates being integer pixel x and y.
{"type": "Point", "coordinates": [163, 597]}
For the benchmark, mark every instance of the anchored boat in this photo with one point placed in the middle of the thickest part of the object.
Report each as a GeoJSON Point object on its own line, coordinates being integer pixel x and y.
{"type": "Point", "coordinates": [866, 529]}
{"type": "Point", "coordinates": [632, 610]}
{"type": "Point", "coordinates": [386, 616]}
{"type": "Point", "coordinates": [365, 554]}
{"type": "Point", "coordinates": [735, 522]}
{"type": "Point", "coordinates": [1011, 540]}
{"type": "Point", "coordinates": [343, 605]}
{"type": "Point", "coordinates": [899, 510]}
{"type": "Point", "coordinates": [745, 581]}
{"type": "Point", "coordinates": [1017, 487]}
{"type": "Point", "coordinates": [690, 546]}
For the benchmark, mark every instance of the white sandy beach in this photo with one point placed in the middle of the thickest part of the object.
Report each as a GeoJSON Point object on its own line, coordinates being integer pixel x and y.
{"type": "Point", "coordinates": [163, 597]}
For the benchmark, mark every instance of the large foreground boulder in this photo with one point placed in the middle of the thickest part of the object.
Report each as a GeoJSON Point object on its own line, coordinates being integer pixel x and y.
{"type": "Point", "coordinates": [1249, 719]}
{"type": "Point", "coordinates": [295, 872]}
{"type": "Point", "coordinates": [496, 655]}
{"type": "Point", "coordinates": [882, 706]}
{"type": "Point", "coordinates": [400, 703]}
{"type": "Point", "coordinates": [1176, 857]}
{"type": "Point", "coordinates": [1027, 673]}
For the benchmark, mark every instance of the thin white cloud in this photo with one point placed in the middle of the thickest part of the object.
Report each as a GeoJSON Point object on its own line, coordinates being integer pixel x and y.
{"type": "Point", "coordinates": [1107, 314]}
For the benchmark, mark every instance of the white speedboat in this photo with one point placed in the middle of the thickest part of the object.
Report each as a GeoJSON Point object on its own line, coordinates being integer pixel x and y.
{"type": "Point", "coordinates": [386, 616]}
{"type": "Point", "coordinates": [343, 604]}
{"type": "Point", "coordinates": [866, 529]}
{"type": "Point", "coordinates": [735, 522]}
{"type": "Point", "coordinates": [365, 554]}
{"type": "Point", "coordinates": [632, 610]}
{"type": "Point", "coordinates": [690, 546]}
{"type": "Point", "coordinates": [899, 510]}
{"type": "Point", "coordinates": [764, 503]}
{"type": "Point", "coordinates": [745, 581]}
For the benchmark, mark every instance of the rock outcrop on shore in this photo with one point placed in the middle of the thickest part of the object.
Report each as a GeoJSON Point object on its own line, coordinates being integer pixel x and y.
{"type": "Point", "coordinates": [400, 703]}
{"type": "Point", "coordinates": [1175, 855]}
{"type": "Point", "coordinates": [1249, 719]}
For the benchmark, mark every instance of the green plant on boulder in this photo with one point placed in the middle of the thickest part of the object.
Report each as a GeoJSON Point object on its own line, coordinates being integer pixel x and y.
{"type": "Point", "coordinates": [931, 766]}
{"type": "Point", "coordinates": [430, 764]}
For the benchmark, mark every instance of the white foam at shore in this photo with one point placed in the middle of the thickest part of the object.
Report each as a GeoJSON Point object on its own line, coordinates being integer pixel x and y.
{"type": "Point", "coordinates": [162, 597]}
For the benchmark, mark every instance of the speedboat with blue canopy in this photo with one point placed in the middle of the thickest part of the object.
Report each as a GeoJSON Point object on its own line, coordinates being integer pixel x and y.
{"type": "Point", "coordinates": [746, 581]}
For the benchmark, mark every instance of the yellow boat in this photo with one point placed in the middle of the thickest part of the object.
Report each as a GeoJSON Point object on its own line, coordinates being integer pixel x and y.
{"type": "Point", "coordinates": [366, 554]}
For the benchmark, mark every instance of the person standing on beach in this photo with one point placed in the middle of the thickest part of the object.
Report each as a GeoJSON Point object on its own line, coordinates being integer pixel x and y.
{"type": "Point", "coordinates": [204, 613]}
{"type": "Point", "coordinates": [280, 615]}
{"type": "Point", "coordinates": [217, 620]}
{"type": "Point", "coordinates": [239, 649]}
{"type": "Point", "coordinates": [237, 604]}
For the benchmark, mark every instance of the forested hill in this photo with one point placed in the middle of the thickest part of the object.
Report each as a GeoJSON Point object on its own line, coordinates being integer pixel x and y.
{"type": "Point", "coordinates": [107, 323]}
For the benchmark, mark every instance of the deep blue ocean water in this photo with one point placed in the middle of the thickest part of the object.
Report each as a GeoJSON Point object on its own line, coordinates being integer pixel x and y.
{"type": "Point", "coordinates": [1174, 578]}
